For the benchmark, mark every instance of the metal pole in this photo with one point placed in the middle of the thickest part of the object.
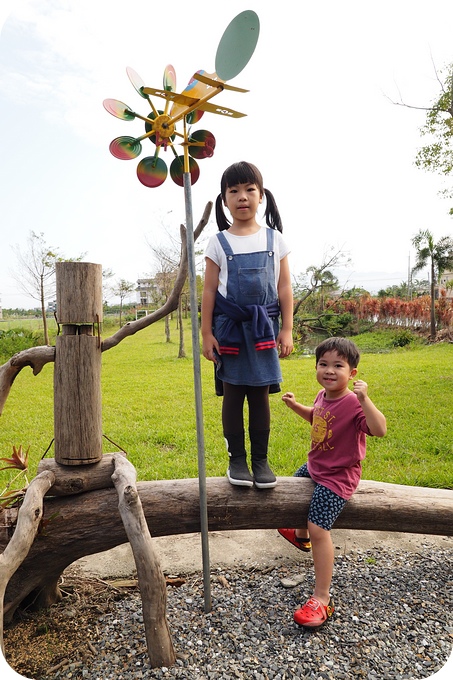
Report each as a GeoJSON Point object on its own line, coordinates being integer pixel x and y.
{"type": "Point", "coordinates": [198, 400]}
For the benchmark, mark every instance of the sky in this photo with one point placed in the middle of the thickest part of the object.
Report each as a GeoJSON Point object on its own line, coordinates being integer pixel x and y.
{"type": "Point", "coordinates": [322, 126]}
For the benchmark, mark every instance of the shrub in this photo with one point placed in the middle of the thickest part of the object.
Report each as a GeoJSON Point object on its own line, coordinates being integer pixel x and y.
{"type": "Point", "coordinates": [402, 338]}
{"type": "Point", "coordinates": [17, 339]}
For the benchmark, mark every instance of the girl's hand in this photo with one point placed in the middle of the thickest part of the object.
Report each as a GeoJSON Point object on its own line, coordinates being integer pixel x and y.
{"type": "Point", "coordinates": [210, 346]}
{"type": "Point", "coordinates": [284, 343]}
{"type": "Point", "coordinates": [360, 389]}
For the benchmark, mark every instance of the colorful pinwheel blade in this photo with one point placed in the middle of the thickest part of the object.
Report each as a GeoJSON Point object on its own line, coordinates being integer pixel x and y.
{"type": "Point", "coordinates": [194, 116]}
{"type": "Point", "coordinates": [118, 109]}
{"type": "Point", "coordinates": [136, 81]}
{"type": "Point", "coordinates": [202, 137]}
{"type": "Point", "coordinates": [125, 148]}
{"type": "Point", "coordinates": [170, 78]}
{"type": "Point", "coordinates": [177, 170]}
{"type": "Point", "coordinates": [152, 171]}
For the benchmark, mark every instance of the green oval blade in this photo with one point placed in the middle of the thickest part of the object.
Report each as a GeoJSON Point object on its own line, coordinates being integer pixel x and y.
{"type": "Point", "coordinates": [237, 45]}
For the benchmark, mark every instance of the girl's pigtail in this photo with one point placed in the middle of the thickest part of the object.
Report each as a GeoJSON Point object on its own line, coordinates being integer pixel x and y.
{"type": "Point", "coordinates": [273, 219]}
{"type": "Point", "coordinates": [220, 216]}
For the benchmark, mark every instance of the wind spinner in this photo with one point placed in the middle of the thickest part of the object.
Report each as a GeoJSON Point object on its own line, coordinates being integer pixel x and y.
{"type": "Point", "coordinates": [233, 53]}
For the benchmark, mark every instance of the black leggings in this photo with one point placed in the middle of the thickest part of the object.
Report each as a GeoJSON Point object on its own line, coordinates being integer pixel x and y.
{"type": "Point", "coordinates": [233, 408]}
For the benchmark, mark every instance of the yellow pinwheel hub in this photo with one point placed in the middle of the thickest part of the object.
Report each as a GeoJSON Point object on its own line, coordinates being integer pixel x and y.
{"type": "Point", "coordinates": [163, 126]}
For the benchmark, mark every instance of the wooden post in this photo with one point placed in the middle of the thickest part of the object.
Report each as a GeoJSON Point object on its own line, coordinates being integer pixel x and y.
{"type": "Point", "coordinates": [77, 372]}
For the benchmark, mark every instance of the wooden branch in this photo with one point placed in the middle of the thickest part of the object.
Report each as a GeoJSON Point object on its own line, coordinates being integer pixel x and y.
{"type": "Point", "coordinates": [28, 519]}
{"type": "Point", "coordinates": [36, 357]}
{"type": "Point", "coordinates": [152, 584]}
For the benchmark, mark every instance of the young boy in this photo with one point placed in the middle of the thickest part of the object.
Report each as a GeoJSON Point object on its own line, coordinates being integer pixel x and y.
{"type": "Point", "coordinates": [340, 420]}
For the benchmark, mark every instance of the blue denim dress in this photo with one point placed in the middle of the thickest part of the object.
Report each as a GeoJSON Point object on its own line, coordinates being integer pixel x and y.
{"type": "Point", "coordinates": [251, 281]}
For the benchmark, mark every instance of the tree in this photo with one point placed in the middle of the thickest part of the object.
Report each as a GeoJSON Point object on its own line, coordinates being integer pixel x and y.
{"type": "Point", "coordinates": [438, 256]}
{"type": "Point", "coordinates": [401, 291]}
{"type": "Point", "coordinates": [167, 258]}
{"type": "Point", "coordinates": [107, 274]}
{"type": "Point", "coordinates": [37, 272]}
{"type": "Point", "coordinates": [122, 289]}
{"type": "Point", "coordinates": [437, 155]}
{"type": "Point", "coordinates": [319, 278]}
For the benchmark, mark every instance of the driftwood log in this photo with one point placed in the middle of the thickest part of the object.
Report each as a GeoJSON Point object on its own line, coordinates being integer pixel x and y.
{"type": "Point", "coordinates": [172, 507]}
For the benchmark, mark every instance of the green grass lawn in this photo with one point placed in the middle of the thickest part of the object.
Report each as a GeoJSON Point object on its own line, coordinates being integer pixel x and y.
{"type": "Point", "coordinates": [149, 411]}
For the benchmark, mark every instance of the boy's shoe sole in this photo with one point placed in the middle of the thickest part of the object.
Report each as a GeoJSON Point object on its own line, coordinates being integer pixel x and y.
{"type": "Point", "coordinates": [303, 544]}
{"type": "Point", "coordinates": [314, 614]}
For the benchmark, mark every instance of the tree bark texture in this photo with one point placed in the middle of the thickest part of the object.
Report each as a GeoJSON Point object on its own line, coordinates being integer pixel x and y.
{"type": "Point", "coordinates": [79, 293]}
{"type": "Point", "coordinates": [89, 523]}
{"type": "Point", "coordinates": [28, 519]}
{"type": "Point", "coordinates": [151, 581]}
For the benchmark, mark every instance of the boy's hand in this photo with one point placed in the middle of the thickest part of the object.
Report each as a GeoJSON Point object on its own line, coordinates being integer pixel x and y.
{"type": "Point", "coordinates": [360, 389]}
{"type": "Point", "coordinates": [289, 399]}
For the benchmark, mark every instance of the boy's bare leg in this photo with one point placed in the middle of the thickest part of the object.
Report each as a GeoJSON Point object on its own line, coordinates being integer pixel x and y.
{"type": "Point", "coordinates": [323, 556]}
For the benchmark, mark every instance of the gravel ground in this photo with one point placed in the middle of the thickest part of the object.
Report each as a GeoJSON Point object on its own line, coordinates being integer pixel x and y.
{"type": "Point", "coordinates": [392, 621]}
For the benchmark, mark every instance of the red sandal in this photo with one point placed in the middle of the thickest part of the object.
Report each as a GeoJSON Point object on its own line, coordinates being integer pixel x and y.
{"type": "Point", "coordinates": [314, 613]}
{"type": "Point", "coordinates": [300, 543]}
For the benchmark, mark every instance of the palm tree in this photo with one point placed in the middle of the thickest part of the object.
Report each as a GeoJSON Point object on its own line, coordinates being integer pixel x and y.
{"type": "Point", "coordinates": [439, 256]}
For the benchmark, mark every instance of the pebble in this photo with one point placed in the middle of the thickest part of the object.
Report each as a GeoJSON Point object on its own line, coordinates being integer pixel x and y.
{"type": "Point", "coordinates": [392, 622]}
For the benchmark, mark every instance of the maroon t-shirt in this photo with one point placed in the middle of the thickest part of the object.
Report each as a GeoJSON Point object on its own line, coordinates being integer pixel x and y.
{"type": "Point", "coordinates": [338, 443]}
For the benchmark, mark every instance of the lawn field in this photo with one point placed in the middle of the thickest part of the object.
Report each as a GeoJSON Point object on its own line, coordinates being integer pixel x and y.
{"type": "Point", "coordinates": [149, 411]}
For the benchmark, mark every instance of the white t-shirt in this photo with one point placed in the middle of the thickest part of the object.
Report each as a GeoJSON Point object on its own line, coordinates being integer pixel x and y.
{"type": "Point", "coordinates": [252, 243]}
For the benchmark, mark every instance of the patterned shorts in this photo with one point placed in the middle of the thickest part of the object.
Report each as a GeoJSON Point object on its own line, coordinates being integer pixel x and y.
{"type": "Point", "coordinates": [325, 505]}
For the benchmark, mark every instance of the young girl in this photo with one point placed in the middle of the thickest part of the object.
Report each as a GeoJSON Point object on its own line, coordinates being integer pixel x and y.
{"type": "Point", "coordinates": [247, 285]}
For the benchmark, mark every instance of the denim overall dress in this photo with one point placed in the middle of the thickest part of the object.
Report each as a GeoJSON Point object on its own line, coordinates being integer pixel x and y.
{"type": "Point", "coordinates": [251, 281]}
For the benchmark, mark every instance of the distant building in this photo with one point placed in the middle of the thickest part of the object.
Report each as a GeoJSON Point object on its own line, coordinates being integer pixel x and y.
{"type": "Point", "coordinates": [153, 291]}
{"type": "Point", "coordinates": [446, 283]}
{"type": "Point", "coordinates": [145, 290]}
